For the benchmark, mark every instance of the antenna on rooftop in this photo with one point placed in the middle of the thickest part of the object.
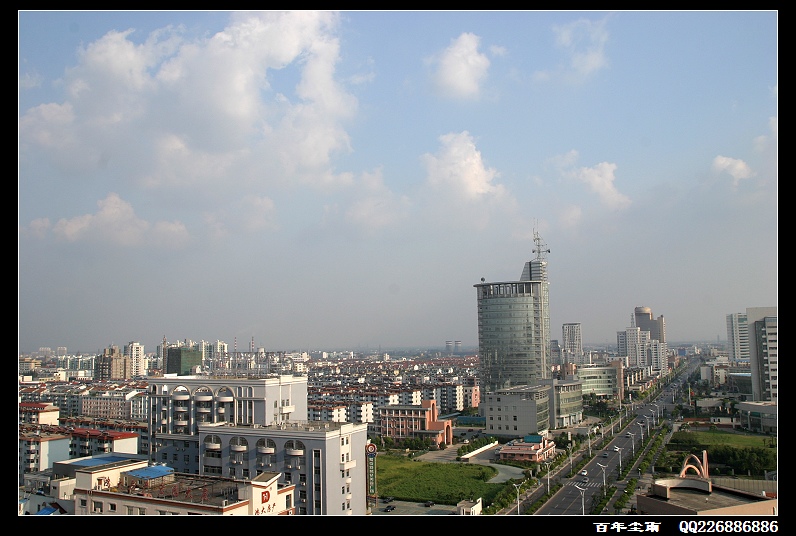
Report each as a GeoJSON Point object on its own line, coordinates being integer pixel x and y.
{"type": "Point", "coordinates": [541, 247]}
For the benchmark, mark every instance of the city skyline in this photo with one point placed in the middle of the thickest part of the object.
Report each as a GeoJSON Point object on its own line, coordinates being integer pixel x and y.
{"type": "Point", "coordinates": [331, 180]}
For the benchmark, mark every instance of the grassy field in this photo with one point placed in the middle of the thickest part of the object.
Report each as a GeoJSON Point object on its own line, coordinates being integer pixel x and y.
{"type": "Point", "coordinates": [731, 439]}
{"type": "Point", "coordinates": [444, 483]}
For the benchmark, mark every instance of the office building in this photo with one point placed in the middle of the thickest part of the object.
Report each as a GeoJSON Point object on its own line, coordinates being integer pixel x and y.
{"type": "Point", "coordinates": [518, 411]}
{"type": "Point", "coordinates": [762, 328]}
{"type": "Point", "coordinates": [514, 326]}
{"type": "Point", "coordinates": [643, 319]}
{"type": "Point", "coordinates": [183, 360]}
{"type": "Point", "coordinates": [572, 342]}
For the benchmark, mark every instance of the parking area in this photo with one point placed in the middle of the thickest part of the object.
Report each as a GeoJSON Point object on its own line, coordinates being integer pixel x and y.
{"type": "Point", "coordinates": [407, 508]}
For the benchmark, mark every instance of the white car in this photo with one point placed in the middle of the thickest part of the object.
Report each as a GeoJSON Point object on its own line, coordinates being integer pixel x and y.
{"type": "Point", "coordinates": [584, 472]}
{"type": "Point", "coordinates": [616, 449]}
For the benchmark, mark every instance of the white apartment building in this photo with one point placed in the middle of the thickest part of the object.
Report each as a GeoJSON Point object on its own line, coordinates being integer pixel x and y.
{"type": "Point", "coordinates": [138, 360]}
{"type": "Point", "coordinates": [241, 427]}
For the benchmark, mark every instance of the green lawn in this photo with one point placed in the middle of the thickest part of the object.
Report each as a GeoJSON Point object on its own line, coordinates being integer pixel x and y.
{"type": "Point", "coordinates": [444, 483]}
{"type": "Point", "coordinates": [722, 437]}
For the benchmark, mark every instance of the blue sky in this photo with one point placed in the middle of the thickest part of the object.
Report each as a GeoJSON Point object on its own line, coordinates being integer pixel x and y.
{"type": "Point", "coordinates": [325, 180]}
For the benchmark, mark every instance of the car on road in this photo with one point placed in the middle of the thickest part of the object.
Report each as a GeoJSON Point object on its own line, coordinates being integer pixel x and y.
{"type": "Point", "coordinates": [584, 472]}
{"type": "Point", "coordinates": [605, 454]}
{"type": "Point", "coordinates": [616, 448]}
{"type": "Point", "coordinates": [389, 508]}
{"type": "Point", "coordinates": [585, 479]}
{"type": "Point", "coordinates": [428, 504]}
{"type": "Point", "coordinates": [388, 499]}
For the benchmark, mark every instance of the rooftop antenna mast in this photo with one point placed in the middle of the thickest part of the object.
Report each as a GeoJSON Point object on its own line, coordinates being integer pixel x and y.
{"type": "Point", "coordinates": [541, 247]}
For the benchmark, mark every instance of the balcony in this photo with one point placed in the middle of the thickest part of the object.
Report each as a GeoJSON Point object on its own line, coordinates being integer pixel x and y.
{"type": "Point", "coordinates": [213, 446]}
{"type": "Point", "coordinates": [202, 409]}
{"type": "Point", "coordinates": [180, 423]}
{"type": "Point", "coordinates": [180, 396]}
{"type": "Point", "coordinates": [238, 448]}
{"type": "Point", "coordinates": [265, 450]}
{"type": "Point", "coordinates": [225, 398]}
{"type": "Point", "coordinates": [345, 466]}
{"type": "Point", "coordinates": [203, 398]}
{"type": "Point", "coordinates": [294, 452]}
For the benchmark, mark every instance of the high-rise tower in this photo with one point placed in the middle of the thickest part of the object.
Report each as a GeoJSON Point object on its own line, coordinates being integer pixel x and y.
{"type": "Point", "coordinates": [514, 326]}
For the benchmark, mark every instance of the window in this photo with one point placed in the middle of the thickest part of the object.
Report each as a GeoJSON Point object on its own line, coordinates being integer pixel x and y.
{"type": "Point", "coordinates": [112, 507]}
{"type": "Point", "coordinates": [130, 511]}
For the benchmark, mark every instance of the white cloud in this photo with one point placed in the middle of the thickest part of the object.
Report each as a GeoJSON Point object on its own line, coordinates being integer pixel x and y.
{"type": "Point", "coordinates": [376, 207]}
{"type": "Point", "coordinates": [116, 224]}
{"type": "Point", "coordinates": [37, 228]}
{"type": "Point", "coordinates": [737, 169]}
{"type": "Point", "coordinates": [459, 169]}
{"type": "Point", "coordinates": [765, 143]}
{"type": "Point", "coordinates": [461, 68]}
{"type": "Point", "coordinates": [258, 213]}
{"type": "Point", "coordinates": [496, 50]}
{"type": "Point", "coordinates": [29, 80]}
{"type": "Point", "coordinates": [570, 216]}
{"type": "Point", "coordinates": [584, 43]}
{"type": "Point", "coordinates": [599, 178]}
{"type": "Point", "coordinates": [174, 112]}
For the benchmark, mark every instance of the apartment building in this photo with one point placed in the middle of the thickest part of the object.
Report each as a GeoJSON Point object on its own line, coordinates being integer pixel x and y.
{"type": "Point", "coordinates": [242, 427]}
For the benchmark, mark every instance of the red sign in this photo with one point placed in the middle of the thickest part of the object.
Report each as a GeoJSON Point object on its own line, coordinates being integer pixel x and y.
{"type": "Point", "coordinates": [266, 496]}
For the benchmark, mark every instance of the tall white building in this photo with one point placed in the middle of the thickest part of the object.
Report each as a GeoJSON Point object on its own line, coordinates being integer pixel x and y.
{"type": "Point", "coordinates": [139, 363]}
{"type": "Point", "coordinates": [632, 346]}
{"type": "Point", "coordinates": [514, 326]}
{"type": "Point", "coordinates": [737, 337]}
{"type": "Point", "coordinates": [572, 342]}
{"type": "Point", "coordinates": [762, 329]}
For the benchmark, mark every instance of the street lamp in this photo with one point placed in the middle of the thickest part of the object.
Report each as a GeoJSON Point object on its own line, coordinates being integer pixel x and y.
{"type": "Point", "coordinates": [658, 411]}
{"type": "Point", "coordinates": [603, 468]}
{"type": "Point", "coordinates": [518, 486]}
{"type": "Point", "coordinates": [569, 448]}
{"type": "Point", "coordinates": [652, 412]}
{"type": "Point", "coordinates": [589, 444]}
{"type": "Point", "coordinates": [620, 461]}
{"type": "Point", "coordinates": [642, 432]}
{"type": "Point", "coordinates": [548, 476]}
{"type": "Point", "coordinates": [633, 442]}
{"type": "Point", "coordinates": [582, 499]}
